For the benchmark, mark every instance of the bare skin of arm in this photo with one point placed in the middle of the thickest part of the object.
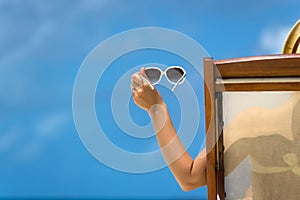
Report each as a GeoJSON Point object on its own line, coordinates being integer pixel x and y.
{"type": "Point", "coordinates": [189, 173]}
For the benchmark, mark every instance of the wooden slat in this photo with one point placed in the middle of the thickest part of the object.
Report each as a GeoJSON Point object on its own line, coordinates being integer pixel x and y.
{"type": "Point", "coordinates": [258, 84]}
{"type": "Point", "coordinates": [260, 66]}
{"type": "Point", "coordinates": [252, 87]}
{"type": "Point", "coordinates": [258, 80]}
{"type": "Point", "coordinates": [210, 128]}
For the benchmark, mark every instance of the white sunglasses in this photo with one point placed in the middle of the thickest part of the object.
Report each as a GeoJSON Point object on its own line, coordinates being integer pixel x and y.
{"type": "Point", "coordinates": [174, 74]}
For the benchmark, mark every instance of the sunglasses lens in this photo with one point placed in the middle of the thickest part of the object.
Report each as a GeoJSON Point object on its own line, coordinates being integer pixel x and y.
{"type": "Point", "coordinates": [153, 75]}
{"type": "Point", "coordinates": [174, 74]}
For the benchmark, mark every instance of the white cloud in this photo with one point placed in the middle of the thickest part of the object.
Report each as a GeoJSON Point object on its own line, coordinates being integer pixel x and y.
{"type": "Point", "coordinates": [11, 68]}
{"type": "Point", "coordinates": [8, 139]}
{"type": "Point", "coordinates": [272, 39]}
{"type": "Point", "coordinates": [34, 24]}
{"type": "Point", "coordinates": [27, 29]}
{"type": "Point", "coordinates": [28, 151]}
{"type": "Point", "coordinates": [52, 124]}
{"type": "Point", "coordinates": [45, 131]}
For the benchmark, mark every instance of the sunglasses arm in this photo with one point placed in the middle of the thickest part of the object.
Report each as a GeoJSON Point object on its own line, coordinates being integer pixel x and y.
{"type": "Point", "coordinates": [173, 89]}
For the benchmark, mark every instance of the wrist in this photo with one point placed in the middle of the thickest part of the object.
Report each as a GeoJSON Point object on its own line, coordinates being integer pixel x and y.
{"type": "Point", "coordinates": [157, 108]}
{"type": "Point", "coordinates": [159, 115]}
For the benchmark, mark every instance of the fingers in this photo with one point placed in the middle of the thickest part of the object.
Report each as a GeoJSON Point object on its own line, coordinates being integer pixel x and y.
{"type": "Point", "coordinates": [136, 79]}
{"type": "Point", "coordinates": [143, 72]}
{"type": "Point", "coordinates": [140, 80]}
{"type": "Point", "coordinates": [134, 84]}
{"type": "Point", "coordinates": [135, 87]}
{"type": "Point", "coordinates": [132, 88]}
{"type": "Point", "coordinates": [136, 76]}
{"type": "Point", "coordinates": [142, 87]}
{"type": "Point", "coordinates": [141, 90]}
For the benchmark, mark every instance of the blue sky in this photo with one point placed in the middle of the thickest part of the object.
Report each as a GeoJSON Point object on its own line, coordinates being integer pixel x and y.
{"type": "Point", "coordinates": [42, 45]}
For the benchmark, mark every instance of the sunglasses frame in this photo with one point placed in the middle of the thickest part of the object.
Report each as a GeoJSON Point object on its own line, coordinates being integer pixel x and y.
{"type": "Point", "coordinates": [164, 73]}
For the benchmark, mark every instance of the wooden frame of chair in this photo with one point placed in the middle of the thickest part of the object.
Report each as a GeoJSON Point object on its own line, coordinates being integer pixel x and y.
{"type": "Point", "coordinates": [257, 73]}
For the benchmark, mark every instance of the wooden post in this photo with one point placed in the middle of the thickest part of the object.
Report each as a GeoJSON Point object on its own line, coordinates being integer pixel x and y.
{"type": "Point", "coordinates": [209, 90]}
